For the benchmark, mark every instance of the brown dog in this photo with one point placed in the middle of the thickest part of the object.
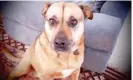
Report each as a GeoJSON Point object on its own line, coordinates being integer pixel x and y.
{"type": "Point", "coordinates": [59, 51]}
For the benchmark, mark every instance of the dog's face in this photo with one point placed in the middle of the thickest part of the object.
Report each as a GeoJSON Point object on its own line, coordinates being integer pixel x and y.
{"type": "Point", "coordinates": [64, 24]}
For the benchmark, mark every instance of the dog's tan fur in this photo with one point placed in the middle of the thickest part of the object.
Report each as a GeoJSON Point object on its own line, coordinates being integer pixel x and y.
{"type": "Point", "coordinates": [47, 62]}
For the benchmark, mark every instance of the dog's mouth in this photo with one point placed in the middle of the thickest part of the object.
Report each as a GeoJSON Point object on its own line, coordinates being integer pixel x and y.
{"type": "Point", "coordinates": [62, 49]}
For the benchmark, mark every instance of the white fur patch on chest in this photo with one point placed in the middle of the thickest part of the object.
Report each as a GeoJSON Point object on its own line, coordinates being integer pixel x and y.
{"type": "Point", "coordinates": [67, 72]}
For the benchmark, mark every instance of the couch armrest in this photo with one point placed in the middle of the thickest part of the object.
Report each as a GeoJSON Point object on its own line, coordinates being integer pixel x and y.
{"type": "Point", "coordinates": [101, 32]}
{"type": "Point", "coordinates": [100, 37]}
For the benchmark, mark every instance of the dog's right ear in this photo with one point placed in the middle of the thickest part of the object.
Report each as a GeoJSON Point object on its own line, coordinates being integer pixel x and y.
{"type": "Point", "coordinates": [87, 11]}
{"type": "Point", "coordinates": [45, 8]}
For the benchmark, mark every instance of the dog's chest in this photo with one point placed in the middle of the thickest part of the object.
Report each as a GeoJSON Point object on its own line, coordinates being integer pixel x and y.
{"type": "Point", "coordinates": [54, 67]}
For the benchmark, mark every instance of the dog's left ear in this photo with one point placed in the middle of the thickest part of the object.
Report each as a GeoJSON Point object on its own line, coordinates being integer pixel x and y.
{"type": "Point", "coordinates": [87, 11]}
{"type": "Point", "coordinates": [45, 8]}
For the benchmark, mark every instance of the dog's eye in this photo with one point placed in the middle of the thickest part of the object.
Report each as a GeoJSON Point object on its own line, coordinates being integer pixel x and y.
{"type": "Point", "coordinates": [73, 22]}
{"type": "Point", "coordinates": [52, 21]}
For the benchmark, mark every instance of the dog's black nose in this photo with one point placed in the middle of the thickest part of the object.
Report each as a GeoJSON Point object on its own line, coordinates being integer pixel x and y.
{"type": "Point", "coordinates": [61, 42]}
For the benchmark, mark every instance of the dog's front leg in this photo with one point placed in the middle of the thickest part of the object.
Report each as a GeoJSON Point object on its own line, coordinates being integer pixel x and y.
{"type": "Point", "coordinates": [21, 68]}
{"type": "Point", "coordinates": [75, 75]}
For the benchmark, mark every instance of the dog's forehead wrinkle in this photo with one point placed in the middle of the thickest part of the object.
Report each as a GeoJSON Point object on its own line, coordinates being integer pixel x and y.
{"type": "Point", "coordinates": [63, 6]}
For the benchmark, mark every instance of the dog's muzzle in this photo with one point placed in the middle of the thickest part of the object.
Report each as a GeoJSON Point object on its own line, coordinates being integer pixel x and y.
{"type": "Point", "coordinates": [61, 43]}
